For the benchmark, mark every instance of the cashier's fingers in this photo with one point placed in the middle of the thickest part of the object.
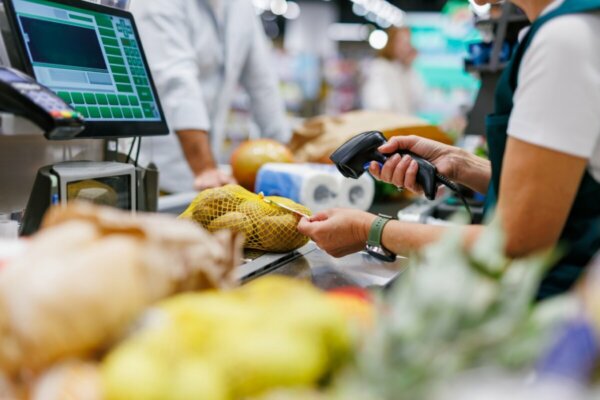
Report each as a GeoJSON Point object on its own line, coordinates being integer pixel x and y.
{"type": "Point", "coordinates": [399, 176]}
{"type": "Point", "coordinates": [410, 179]}
{"type": "Point", "coordinates": [375, 170]}
{"type": "Point", "coordinates": [388, 168]}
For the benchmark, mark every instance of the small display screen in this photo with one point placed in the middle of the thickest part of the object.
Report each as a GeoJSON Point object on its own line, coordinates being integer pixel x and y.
{"type": "Point", "coordinates": [93, 61]}
{"type": "Point", "coordinates": [114, 191]}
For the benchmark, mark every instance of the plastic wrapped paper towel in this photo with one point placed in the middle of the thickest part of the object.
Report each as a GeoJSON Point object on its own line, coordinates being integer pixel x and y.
{"type": "Point", "coordinates": [317, 186]}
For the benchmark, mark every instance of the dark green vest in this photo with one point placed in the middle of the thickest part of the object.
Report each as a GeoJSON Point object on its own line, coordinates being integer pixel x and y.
{"type": "Point", "coordinates": [581, 235]}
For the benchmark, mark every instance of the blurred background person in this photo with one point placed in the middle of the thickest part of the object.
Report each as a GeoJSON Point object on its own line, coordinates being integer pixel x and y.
{"type": "Point", "coordinates": [199, 52]}
{"type": "Point", "coordinates": [391, 82]}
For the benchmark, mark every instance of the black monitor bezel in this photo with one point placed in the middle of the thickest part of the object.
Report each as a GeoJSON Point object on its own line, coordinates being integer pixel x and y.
{"type": "Point", "coordinates": [98, 129]}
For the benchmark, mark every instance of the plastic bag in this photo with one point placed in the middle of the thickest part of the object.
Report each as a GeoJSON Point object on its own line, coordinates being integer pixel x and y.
{"type": "Point", "coordinates": [265, 226]}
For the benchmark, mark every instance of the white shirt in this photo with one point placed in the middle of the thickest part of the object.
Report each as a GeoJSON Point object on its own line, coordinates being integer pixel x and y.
{"type": "Point", "coordinates": [557, 102]}
{"type": "Point", "coordinates": [199, 51]}
{"type": "Point", "coordinates": [390, 86]}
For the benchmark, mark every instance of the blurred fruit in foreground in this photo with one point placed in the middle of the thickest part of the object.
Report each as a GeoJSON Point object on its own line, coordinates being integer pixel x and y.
{"type": "Point", "coordinates": [356, 304]}
{"type": "Point", "coordinates": [275, 332]}
{"type": "Point", "coordinates": [251, 155]}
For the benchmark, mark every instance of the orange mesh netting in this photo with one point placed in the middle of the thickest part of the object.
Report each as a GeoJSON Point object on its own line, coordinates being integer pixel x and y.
{"type": "Point", "coordinates": [266, 227]}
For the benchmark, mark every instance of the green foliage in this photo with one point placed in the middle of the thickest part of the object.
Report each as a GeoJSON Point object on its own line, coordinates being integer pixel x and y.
{"type": "Point", "coordinates": [453, 311]}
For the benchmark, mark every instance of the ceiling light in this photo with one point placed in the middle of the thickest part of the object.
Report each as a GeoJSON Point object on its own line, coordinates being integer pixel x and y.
{"type": "Point", "coordinates": [378, 39]}
{"type": "Point", "coordinates": [293, 10]}
{"type": "Point", "coordinates": [279, 7]}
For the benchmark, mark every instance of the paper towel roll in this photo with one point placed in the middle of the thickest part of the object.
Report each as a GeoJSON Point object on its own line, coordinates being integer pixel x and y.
{"type": "Point", "coordinates": [317, 190]}
{"type": "Point", "coordinates": [356, 193]}
{"type": "Point", "coordinates": [352, 193]}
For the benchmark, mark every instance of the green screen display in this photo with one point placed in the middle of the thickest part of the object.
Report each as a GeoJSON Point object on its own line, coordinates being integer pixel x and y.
{"type": "Point", "coordinates": [91, 60]}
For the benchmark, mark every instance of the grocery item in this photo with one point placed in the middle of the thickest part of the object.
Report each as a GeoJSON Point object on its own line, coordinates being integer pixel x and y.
{"type": "Point", "coordinates": [72, 379]}
{"type": "Point", "coordinates": [318, 186]}
{"type": "Point", "coordinates": [275, 332]}
{"type": "Point", "coordinates": [91, 271]}
{"type": "Point", "coordinates": [265, 226]}
{"type": "Point", "coordinates": [247, 159]}
{"type": "Point", "coordinates": [319, 137]}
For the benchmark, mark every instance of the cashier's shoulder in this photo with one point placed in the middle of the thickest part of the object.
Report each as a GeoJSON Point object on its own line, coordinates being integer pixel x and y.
{"type": "Point", "coordinates": [573, 34]}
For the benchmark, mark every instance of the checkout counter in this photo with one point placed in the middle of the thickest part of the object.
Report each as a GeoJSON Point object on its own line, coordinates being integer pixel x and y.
{"type": "Point", "coordinates": [308, 262]}
{"type": "Point", "coordinates": [104, 79]}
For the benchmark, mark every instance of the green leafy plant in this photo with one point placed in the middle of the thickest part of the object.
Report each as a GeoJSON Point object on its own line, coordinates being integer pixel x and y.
{"type": "Point", "coordinates": [452, 311]}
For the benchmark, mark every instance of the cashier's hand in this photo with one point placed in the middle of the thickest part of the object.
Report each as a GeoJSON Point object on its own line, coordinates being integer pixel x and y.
{"type": "Point", "coordinates": [402, 171]}
{"type": "Point", "coordinates": [212, 178]}
{"type": "Point", "coordinates": [339, 232]}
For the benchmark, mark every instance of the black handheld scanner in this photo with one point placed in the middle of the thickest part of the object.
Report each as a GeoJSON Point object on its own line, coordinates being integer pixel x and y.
{"type": "Point", "coordinates": [354, 157]}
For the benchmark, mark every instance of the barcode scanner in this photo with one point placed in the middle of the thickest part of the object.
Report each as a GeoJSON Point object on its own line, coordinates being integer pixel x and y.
{"type": "Point", "coordinates": [354, 157]}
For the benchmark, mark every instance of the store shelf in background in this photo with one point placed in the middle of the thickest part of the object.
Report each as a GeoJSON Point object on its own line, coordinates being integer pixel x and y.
{"type": "Point", "coordinates": [511, 19]}
{"type": "Point", "coordinates": [486, 68]}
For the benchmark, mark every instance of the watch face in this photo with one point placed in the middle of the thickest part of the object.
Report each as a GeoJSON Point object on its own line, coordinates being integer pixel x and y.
{"type": "Point", "coordinates": [381, 253]}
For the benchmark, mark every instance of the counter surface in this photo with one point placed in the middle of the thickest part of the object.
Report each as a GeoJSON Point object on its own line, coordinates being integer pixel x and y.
{"type": "Point", "coordinates": [326, 272]}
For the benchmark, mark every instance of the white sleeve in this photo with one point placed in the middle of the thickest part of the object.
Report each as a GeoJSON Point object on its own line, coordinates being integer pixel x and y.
{"type": "Point", "coordinates": [260, 81]}
{"type": "Point", "coordinates": [375, 89]}
{"type": "Point", "coordinates": [557, 103]}
{"type": "Point", "coordinates": [169, 46]}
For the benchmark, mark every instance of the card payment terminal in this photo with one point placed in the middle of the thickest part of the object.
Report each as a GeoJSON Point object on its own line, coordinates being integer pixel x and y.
{"type": "Point", "coordinates": [23, 96]}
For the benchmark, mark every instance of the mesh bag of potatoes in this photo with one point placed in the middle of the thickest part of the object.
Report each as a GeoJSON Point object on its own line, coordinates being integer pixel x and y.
{"type": "Point", "coordinates": [266, 226]}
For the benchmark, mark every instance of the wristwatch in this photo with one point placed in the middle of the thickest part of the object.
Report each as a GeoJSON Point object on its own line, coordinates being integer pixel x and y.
{"type": "Point", "coordinates": [374, 246]}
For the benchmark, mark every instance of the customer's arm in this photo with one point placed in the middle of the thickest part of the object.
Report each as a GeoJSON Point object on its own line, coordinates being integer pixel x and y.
{"type": "Point", "coordinates": [196, 148]}
{"type": "Point", "coordinates": [260, 80]}
{"type": "Point", "coordinates": [172, 56]}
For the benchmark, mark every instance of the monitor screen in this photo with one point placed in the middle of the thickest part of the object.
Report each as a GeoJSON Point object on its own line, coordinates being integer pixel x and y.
{"type": "Point", "coordinates": [91, 56]}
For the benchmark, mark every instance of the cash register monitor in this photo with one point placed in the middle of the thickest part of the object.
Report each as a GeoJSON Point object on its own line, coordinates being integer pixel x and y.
{"type": "Point", "coordinates": [92, 57]}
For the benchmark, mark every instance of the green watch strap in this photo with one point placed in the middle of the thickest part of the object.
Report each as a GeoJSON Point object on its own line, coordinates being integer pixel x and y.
{"type": "Point", "coordinates": [376, 231]}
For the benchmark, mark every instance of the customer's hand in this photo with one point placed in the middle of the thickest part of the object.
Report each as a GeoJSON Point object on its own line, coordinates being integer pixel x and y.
{"type": "Point", "coordinates": [339, 232]}
{"type": "Point", "coordinates": [402, 171]}
{"type": "Point", "coordinates": [212, 178]}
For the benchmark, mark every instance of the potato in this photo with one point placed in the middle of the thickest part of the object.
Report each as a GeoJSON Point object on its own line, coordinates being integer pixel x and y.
{"type": "Point", "coordinates": [255, 209]}
{"type": "Point", "coordinates": [235, 221]}
{"type": "Point", "coordinates": [279, 233]}
{"type": "Point", "coordinates": [212, 204]}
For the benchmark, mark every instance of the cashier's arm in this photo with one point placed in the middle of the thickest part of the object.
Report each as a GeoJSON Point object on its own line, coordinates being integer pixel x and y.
{"type": "Point", "coordinates": [537, 190]}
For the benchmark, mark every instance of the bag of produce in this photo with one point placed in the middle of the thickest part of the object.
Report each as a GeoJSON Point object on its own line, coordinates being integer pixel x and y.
{"type": "Point", "coordinates": [265, 226]}
{"type": "Point", "coordinates": [91, 271]}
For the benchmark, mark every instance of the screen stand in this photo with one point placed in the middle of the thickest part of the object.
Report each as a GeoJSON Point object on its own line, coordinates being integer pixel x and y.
{"type": "Point", "coordinates": [111, 150]}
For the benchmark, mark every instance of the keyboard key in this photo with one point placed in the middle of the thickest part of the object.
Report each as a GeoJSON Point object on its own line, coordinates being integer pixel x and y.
{"type": "Point", "coordinates": [94, 112]}
{"type": "Point", "coordinates": [113, 100]}
{"type": "Point", "coordinates": [123, 100]}
{"type": "Point", "coordinates": [83, 111]}
{"type": "Point", "coordinates": [137, 113]}
{"type": "Point", "coordinates": [102, 99]}
{"type": "Point", "coordinates": [116, 112]}
{"type": "Point", "coordinates": [90, 98]}
{"type": "Point", "coordinates": [133, 100]}
{"type": "Point", "coordinates": [127, 113]}
{"type": "Point", "coordinates": [105, 111]}
{"type": "Point", "coordinates": [77, 98]}
{"type": "Point", "coordinates": [65, 96]}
